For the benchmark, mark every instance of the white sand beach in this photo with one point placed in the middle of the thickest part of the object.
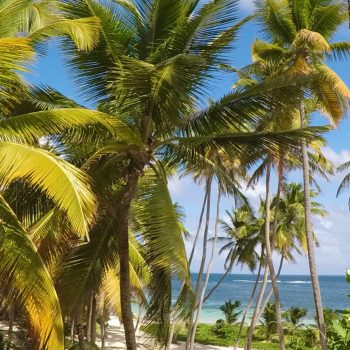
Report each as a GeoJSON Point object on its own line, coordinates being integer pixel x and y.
{"type": "Point", "coordinates": [115, 340]}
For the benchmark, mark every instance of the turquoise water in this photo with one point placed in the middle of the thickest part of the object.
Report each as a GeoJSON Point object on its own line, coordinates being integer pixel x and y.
{"type": "Point", "coordinates": [294, 290]}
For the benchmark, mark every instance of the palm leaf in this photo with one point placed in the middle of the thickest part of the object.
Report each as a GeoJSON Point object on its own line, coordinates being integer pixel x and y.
{"type": "Point", "coordinates": [31, 126]}
{"type": "Point", "coordinates": [62, 182]}
{"type": "Point", "coordinates": [158, 224]}
{"type": "Point", "coordinates": [28, 280]}
{"type": "Point", "coordinates": [84, 32]}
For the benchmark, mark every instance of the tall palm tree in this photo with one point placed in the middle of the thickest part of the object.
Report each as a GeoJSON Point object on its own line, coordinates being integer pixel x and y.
{"type": "Point", "coordinates": [149, 70]}
{"type": "Point", "coordinates": [242, 241]}
{"type": "Point", "coordinates": [281, 116]}
{"type": "Point", "coordinates": [29, 284]}
{"type": "Point", "coordinates": [301, 34]}
{"type": "Point", "coordinates": [227, 172]}
{"type": "Point", "coordinates": [290, 235]}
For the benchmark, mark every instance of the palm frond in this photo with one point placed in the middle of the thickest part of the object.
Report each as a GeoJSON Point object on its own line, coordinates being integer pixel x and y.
{"type": "Point", "coordinates": [158, 224]}
{"type": "Point", "coordinates": [85, 32]}
{"type": "Point", "coordinates": [28, 280]}
{"type": "Point", "coordinates": [66, 185]}
{"type": "Point", "coordinates": [31, 126]}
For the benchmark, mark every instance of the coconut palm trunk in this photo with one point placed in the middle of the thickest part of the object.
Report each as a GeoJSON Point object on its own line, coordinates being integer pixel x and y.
{"type": "Point", "coordinates": [270, 261]}
{"type": "Point", "coordinates": [72, 330]}
{"type": "Point", "coordinates": [122, 217]}
{"type": "Point", "coordinates": [81, 336]}
{"type": "Point", "coordinates": [93, 320]}
{"type": "Point", "coordinates": [269, 295]}
{"type": "Point", "coordinates": [310, 241]}
{"type": "Point", "coordinates": [254, 319]}
{"type": "Point", "coordinates": [199, 226]}
{"type": "Point", "coordinates": [204, 256]}
{"type": "Point", "coordinates": [250, 302]}
{"type": "Point", "coordinates": [278, 199]}
{"type": "Point", "coordinates": [89, 316]}
{"type": "Point", "coordinates": [11, 322]}
{"type": "Point", "coordinates": [210, 265]}
{"type": "Point", "coordinates": [218, 283]}
{"type": "Point", "coordinates": [173, 324]}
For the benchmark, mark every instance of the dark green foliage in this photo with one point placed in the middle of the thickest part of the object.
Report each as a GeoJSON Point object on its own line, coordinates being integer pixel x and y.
{"type": "Point", "coordinates": [295, 314]}
{"type": "Point", "coordinates": [230, 311]}
{"type": "Point", "coordinates": [339, 327]}
{"type": "Point", "coordinates": [224, 330]}
{"type": "Point", "coordinates": [269, 320]}
{"type": "Point", "coordinates": [339, 333]}
{"type": "Point", "coordinates": [296, 343]}
{"type": "Point", "coordinates": [209, 334]}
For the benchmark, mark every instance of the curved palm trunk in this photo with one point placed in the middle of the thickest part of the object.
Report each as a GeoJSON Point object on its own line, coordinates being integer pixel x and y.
{"type": "Point", "coordinates": [123, 251]}
{"type": "Point", "coordinates": [199, 226]}
{"type": "Point", "coordinates": [81, 336]}
{"type": "Point", "coordinates": [278, 200]}
{"type": "Point", "coordinates": [89, 316]}
{"type": "Point", "coordinates": [207, 275]}
{"type": "Point", "coordinates": [103, 316]}
{"type": "Point", "coordinates": [172, 326]}
{"type": "Point", "coordinates": [250, 302]}
{"type": "Point", "coordinates": [204, 256]}
{"type": "Point", "coordinates": [72, 331]}
{"type": "Point", "coordinates": [222, 278]}
{"type": "Point", "coordinates": [310, 241]}
{"type": "Point", "coordinates": [171, 335]}
{"type": "Point", "coordinates": [270, 262]}
{"type": "Point", "coordinates": [93, 320]}
{"type": "Point", "coordinates": [269, 295]}
{"type": "Point", "coordinates": [11, 322]}
{"type": "Point", "coordinates": [257, 309]}
{"type": "Point", "coordinates": [254, 319]}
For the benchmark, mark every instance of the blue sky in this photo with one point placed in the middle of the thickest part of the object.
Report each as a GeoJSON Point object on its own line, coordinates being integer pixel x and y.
{"type": "Point", "coordinates": [333, 233]}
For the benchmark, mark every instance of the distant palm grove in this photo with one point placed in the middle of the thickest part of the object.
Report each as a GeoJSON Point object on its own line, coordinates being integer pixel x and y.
{"type": "Point", "coordinates": [88, 228]}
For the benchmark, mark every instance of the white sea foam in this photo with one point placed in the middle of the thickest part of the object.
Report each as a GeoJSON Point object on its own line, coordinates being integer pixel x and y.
{"type": "Point", "coordinates": [298, 282]}
{"type": "Point", "coordinates": [245, 281]}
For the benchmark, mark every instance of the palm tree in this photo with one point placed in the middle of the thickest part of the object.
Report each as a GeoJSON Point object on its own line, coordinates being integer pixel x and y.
{"type": "Point", "coordinates": [227, 172]}
{"type": "Point", "coordinates": [269, 320]}
{"type": "Point", "coordinates": [294, 315]}
{"type": "Point", "coordinates": [290, 234]}
{"type": "Point", "coordinates": [300, 35]}
{"type": "Point", "coordinates": [242, 240]}
{"type": "Point", "coordinates": [229, 310]}
{"type": "Point", "coordinates": [68, 189]}
{"type": "Point", "coordinates": [149, 71]}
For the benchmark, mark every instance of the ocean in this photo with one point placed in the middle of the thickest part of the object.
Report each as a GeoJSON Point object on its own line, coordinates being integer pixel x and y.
{"type": "Point", "coordinates": [294, 291]}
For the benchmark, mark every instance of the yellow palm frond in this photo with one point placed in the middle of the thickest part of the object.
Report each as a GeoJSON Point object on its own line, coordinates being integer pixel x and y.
{"type": "Point", "coordinates": [14, 52]}
{"type": "Point", "coordinates": [66, 185]}
{"type": "Point", "coordinates": [312, 40]}
{"type": "Point", "coordinates": [85, 32]}
{"type": "Point", "coordinates": [31, 126]}
{"type": "Point", "coordinates": [332, 78]}
{"type": "Point", "coordinates": [29, 281]}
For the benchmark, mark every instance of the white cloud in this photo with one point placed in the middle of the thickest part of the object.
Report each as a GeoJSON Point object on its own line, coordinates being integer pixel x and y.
{"type": "Point", "coordinates": [175, 186]}
{"type": "Point", "coordinates": [256, 192]}
{"type": "Point", "coordinates": [336, 157]}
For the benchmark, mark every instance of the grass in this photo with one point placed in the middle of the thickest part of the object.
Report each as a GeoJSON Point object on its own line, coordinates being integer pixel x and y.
{"type": "Point", "coordinates": [208, 334]}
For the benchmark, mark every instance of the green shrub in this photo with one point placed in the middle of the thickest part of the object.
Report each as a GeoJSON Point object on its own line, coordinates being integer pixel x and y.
{"type": "Point", "coordinates": [224, 331]}
{"type": "Point", "coordinates": [296, 343]}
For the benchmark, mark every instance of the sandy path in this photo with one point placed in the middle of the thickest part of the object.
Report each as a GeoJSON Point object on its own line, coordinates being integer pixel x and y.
{"type": "Point", "coordinates": [115, 340]}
